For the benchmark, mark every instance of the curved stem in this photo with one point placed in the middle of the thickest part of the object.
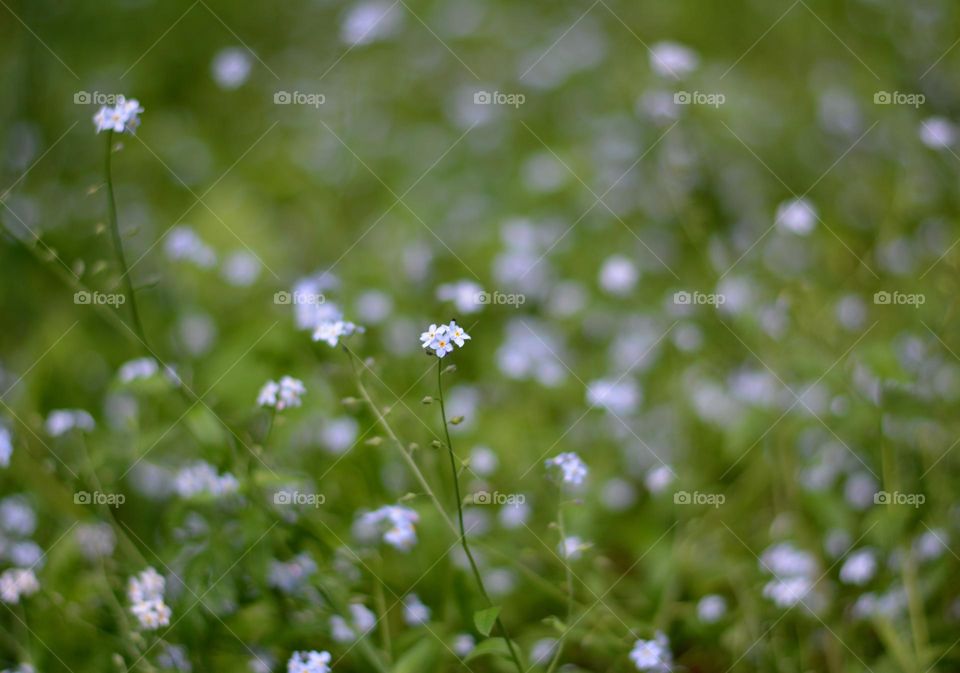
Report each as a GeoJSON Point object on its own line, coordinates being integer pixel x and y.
{"type": "Point", "coordinates": [463, 532]}
{"type": "Point", "coordinates": [118, 242]}
{"type": "Point", "coordinates": [569, 576]}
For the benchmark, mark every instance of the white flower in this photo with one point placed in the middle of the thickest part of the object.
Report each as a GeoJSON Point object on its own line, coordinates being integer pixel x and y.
{"type": "Point", "coordinates": [618, 275]}
{"type": "Point", "coordinates": [618, 396]}
{"type": "Point", "coordinates": [6, 447]}
{"type": "Point", "coordinates": [573, 470]}
{"type": "Point", "coordinates": [797, 215]}
{"type": "Point", "coordinates": [140, 368]}
{"type": "Point", "coordinates": [670, 59]}
{"type": "Point", "coordinates": [231, 67]}
{"type": "Point", "coordinates": [330, 331]}
{"type": "Point", "coordinates": [442, 338]}
{"type": "Point", "coordinates": [859, 567]}
{"type": "Point", "coordinates": [202, 478]}
{"type": "Point", "coordinates": [184, 244]}
{"type": "Point", "coordinates": [652, 655]}
{"type": "Point", "coordinates": [291, 576]}
{"type": "Point", "coordinates": [788, 592]}
{"type": "Point", "coordinates": [571, 548]}
{"type": "Point", "coordinates": [414, 611]}
{"type": "Point", "coordinates": [464, 294]}
{"type": "Point", "coordinates": [281, 395]}
{"type": "Point", "coordinates": [362, 620]}
{"type": "Point", "coordinates": [309, 662]}
{"type": "Point", "coordinates": [61, 421]}
{"type": "Point", "coordinates": [17, 517]}
{"type": "Point", "coordinates": [401, 533]}
{"type": "Point", "coordinates": [784, 560]}
{"type": "Point", "coordinates": [145, 592]}
{"type": "Point", "coordinates": [124, 116]}
{"type": "Point", "coordinates": [938, 132]}
{"type": "Point", "coordinates": [17, 582]}
{"type": "Point", "coordinates": [152, 614]}
{"type": "Point", "coordinates": [463, 644]}
{"type": "Point", "coordinates": [711, 608]}
{"type": "Point", "coordinates": [658, 478]}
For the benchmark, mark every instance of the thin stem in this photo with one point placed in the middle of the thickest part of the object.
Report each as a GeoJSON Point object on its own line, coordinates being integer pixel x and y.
{"type": "Point", "coordinates": [118, 242]}
{"type": "Point", "coordinates": [569, 577]}
{"type": "Point", "coordinates": [463, 531]}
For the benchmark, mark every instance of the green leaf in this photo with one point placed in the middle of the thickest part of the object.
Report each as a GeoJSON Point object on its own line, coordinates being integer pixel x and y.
{"type": "Point", "coordinates": [496, 647]}
{"type": "Point", "coordinates": [485, 619]}
{"type": "Point", "coordinates": [423, 656]}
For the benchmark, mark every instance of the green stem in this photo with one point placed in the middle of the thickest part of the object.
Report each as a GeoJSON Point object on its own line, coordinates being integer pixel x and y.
{"type": "Point", "coordinates": [569, 578]}
{"type": "Point", "coordinates": [463, 532]}
{"type": "Point", "coordinates": [118, 242]}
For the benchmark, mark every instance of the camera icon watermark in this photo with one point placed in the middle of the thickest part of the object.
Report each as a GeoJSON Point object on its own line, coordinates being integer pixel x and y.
{"type": "Point", "coordinates": [697, 498]}
{"type": "Point", "coordinates": [286, 497]}
{"type": "Point", "coordinates": [885, 298]}
{"type": "Point", "coordinates": [95, 98]}
{"type": "Point", "coordinates": [97, 498]}
{"type": "Point", "coordinates": [299, 98]}
{"type": "Point", "coordinates": [285, 298]}
{"type": "Point", "coordinates": [500, 299]}
{"type": "Point", "coordinates": [713, 100]}
{"type": "Point", "coordinates": [498, 98]}
{"type": "Point", "coordinates": [85, 298]}
{"type": "Point", "coordinates": [914, 100]}
{"type": "Point", "coordinates": [897, 498]}
{"type": "Point", "coordinates": [684, 298]}
{"type": "Point", "coordinates": [498, 498]}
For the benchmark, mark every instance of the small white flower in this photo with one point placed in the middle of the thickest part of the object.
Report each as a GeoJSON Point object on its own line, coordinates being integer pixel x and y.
{"type": "Point", "coordinates": [124, 116]}
{"type": "Point", "coordinates": [140, 368]}
{"type": "Point", "coordinates": [442, 345]}
{"type": "Point", "coordinates": [859, 567]}
{"type": "Point", "coordinates": [670, 59]}
{"type": "Point", "coordinates": [61, 421]}
{"type": "Point", "coordinates": [456, 333]}
{"type": "Point", "coordinates": [788, 592]}
{"type": "Point", "coordinates": [309, 662]}
{"type": "Point", "coordinates": [401, 533]}
{"type": "Point", "coordinates": [711, 608]}
{"type": "Point", "coordinates": [414, 611]}
{"type": "Point", "coordinates": [652, 655]}
{"type": "Point", "coordinates": [145, 592]}
{"type": "Point", "coordinates": [797, 215]}
{"type": "Point", "coordinates": [16, 583]}
{"type": "Point", "coordinates": [573, 470]}
{"type": "Point", "coordinates": [201, 478]}
{"type": "Point", "coordinates": [571, 548]}
{"type": "Point", "coordinates": [6, 447]}
{"type": "Point", "coordinates": [282, 395]}
{"type": "Point", "coordinates": [427, 338]}
{"type": "Point", "coordinates": [463, 644]}
{"type": "Point", "coordinates": [331, 331]}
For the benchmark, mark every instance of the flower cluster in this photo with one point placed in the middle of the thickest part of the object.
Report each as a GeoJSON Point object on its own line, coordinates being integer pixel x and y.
{"type": "Point", "coordinates": [17, 582]}
{"type": "Point", "coordinates": [309, 662]}
{"type": "Point", "coordinates": [145, 592]}
{"type": "Point", "coordinates": [652, 655]}
{"type": "Point", "coordinates": [573, 471]}
{"type": "Point", "coordinates": [401, 533]}
{"type": "Point", "coordinates": [331, 331]}
{"type": "Point", "coordinates": [442, 339]}
{"type": "Point", "coordinates": [362, 621]}
{"type": "Point", "coordinates": [793, 571]}
{"type": "Point", "coordinates": [62, 421]}
{"type": "Point", "coordinates": [124, 116]}
{"type": "Point", "coordinates": [202, 478]}
{"type": "Point", "coordinates": [282, 394]}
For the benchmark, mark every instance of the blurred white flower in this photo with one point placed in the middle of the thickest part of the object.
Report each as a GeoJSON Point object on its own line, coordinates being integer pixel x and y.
{"type": "Point", "coordinates": [711, 608]}
{"type": "Point", "coordinates": [938, 132]}
{"type": "Point", "coordinates": [859, 567]}
{"type": "Point", "coordinates": [658, 478]}
{"type": "Point", "coordinates": [124, 116]}
{"type": "Point", "coordinates": [291, 576]}
{"type": "Point", "coordinates": [373, 306]}
{"type": "Point", "coordinates": [61, 421]}
{"type": "Point", "coordinates": [201, 478]}
{"type": "Point", "coordinates": [483, 461]}
{"type": "Point", "coordinates": [464, 294]}
{"type": "Point", "coordinates": [671, 59]}
{"type": "Point", "coordinates": [618, 495]}
{"type": "Point", "coordinates": [618, 275]}
{"type": "Point", "coordinates": [797, 215]}
{"type": "Point", "coordinates": [619, 396]}
{"type": "Point", "coordinates": [414, 611]}
{"type": "Point", "coordinates": [96, 540]}
{"type": "Point", "coordinates": [400, 532]}
{"type": "Point", "coordinates": [572, 547]}
{"type": "Point", "coordinates": [573, 469]}
{"type": "Point", "coordinates": [652, 655]}
{"type": "Point", "coordinates": [16, 516]}
{"type": "Point", "coordinates": [184, 244]}
{"type": "Point", "coordinates": [16, 583]}
{"type": "Point", "coordinates": [6, 447]}
{"type": "Point", "coordinates": [241, 268]}
{"type": "Point", "coordinates": [463, 644]}
{"type": "Point", "coordinates": [309, 662]}
{"type": "Point", "coordinates": [542, 650]}
{"type": "Point", "coordinates": [785, 560]}
{"type": "Point", "coordinates": [281, 395]}
{"type": "Point", "coordinates": [145, 592]}
{"type": "Point", "coordinates": [231, 67]}
{"type": "Point", "coordinates": [370, 21]}
{"type": "Point", "coordinates": [331, 331]}
{"type": "Point", "coordinates": [787, 592]}
{"type": "Point", "coordinates": [339, 434]}
{"type": "Point", "coordinates": [140, 368]}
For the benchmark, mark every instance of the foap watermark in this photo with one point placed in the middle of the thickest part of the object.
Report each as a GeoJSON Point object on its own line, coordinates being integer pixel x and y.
{"type": "Point", "coordinates": [501, 299]}
{"type": "Point", "coordinates": [698, 498]}
{"type": "Point", "coordinates": [286, 497]}
{"type": "Point", "coordinates": [299, 98]}
{"type": "Point", "coordinates": [287, 298]}
{"type": "Point", "coordinates": [699, 98]}
{"type": "Point", "coordinates": [83, 297]}
{"type": "Point", "coordinates": [897, 498]}
{"type": "Point", "coordinates": [98, 498]}
{"type": "Point", "coordinates": [899, 98]}
{"type": "Point", "coordinates": [498, 98]}
{"type": "Point", "coordinates": [684, 298]}
{"type": "Point", "coordinates": [95, 98]}
{"type": "Point", "coordinates": [884, 298]}
{"type": "Point", "coordinates": [498, 498]}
